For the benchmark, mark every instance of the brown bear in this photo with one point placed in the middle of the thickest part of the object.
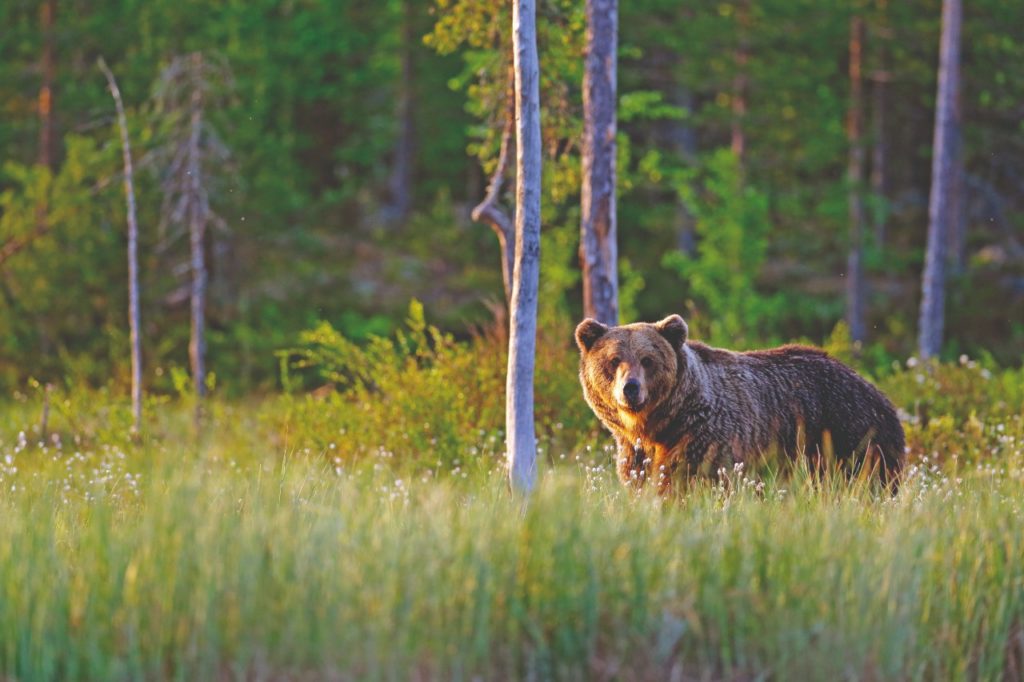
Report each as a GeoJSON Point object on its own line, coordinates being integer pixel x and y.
{"type": "Point", "coordinates": [677, 406]}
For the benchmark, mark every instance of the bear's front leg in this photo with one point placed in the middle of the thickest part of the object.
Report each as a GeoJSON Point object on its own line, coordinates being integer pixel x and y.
{"type": "Point", "coordinates": [664, 468]}
{"type": "Point", "coordinates": [633, 463]}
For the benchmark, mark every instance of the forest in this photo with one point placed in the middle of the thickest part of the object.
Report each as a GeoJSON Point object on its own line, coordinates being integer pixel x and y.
{"type": "Point", "coordinates": [289, 388]}
{"type": "Point", "coordinates": [346, 144]}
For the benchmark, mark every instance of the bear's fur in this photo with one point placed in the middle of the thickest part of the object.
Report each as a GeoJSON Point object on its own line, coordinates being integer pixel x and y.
{"type": "Point", "coordinates": [677, 406]}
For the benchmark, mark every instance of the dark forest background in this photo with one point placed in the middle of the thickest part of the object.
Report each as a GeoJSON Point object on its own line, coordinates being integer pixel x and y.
{"type": "Point", "coordinates": [347, 143]}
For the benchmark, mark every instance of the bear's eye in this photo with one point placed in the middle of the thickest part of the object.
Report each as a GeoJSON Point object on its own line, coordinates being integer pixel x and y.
{"type": "Point", "coordinates": [647, 363]}
{"type": "Point", "coordinates": [615, 362]}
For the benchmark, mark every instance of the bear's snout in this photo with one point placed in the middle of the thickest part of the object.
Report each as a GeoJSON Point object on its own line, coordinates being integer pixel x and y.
{"type": "Point", "coordinates": [631, 390]}
{"type": "Point", "coordinates": [632, 393]}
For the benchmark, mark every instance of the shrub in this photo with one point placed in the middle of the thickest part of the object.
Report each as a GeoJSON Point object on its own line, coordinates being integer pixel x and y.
{"type": "Point", "coordinates": [422, 396]}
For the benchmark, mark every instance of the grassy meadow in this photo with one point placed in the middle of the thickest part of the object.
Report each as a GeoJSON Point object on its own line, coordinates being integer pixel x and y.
{"type": "Point", "coordinates": [341, 535]}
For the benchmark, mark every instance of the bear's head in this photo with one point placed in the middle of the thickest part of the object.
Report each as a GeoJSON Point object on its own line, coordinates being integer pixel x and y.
{"type": "Point", "coordinates": [633, 367]}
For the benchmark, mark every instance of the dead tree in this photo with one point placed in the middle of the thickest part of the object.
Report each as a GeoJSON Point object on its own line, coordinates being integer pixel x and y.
{"type": "Point", "coordinates": [133, 252]}
{"type": "Point", "coordinates": [519, 426]}
{"type": "Point", "coordinates": [855, 284]}
{"type": "Point", "coordinates": [598, 238]}
{"type": "Point", "coordinates": [958, 210]}
{"type": "Point", "coordinates": [947, 128]}
{"type": "Point", "coordinates": [197, 219]}
{"type": "Point", "coordinates": [189, 88]}
{"type": "Point", "coordinates": [489, 210]}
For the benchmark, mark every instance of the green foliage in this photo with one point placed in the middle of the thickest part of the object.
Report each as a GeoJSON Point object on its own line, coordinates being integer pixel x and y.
{"type": "Point", "coordinates": [418, 393]}
{"type": "Point", "coordinates": [631, 285]}
{"type": "Point", "coordinates": [732, 225]}
{"type": "Point", "coordinates": [421, 396]}
{"type": "Point", "coordinates": [959, 390]}
{"type": "Point", "coordinates": [647, 104]}
{"type": "Point", "coordinates": [314, 122]}
{"type": "Point", "coordinates": [249, 550]}
{"type": "Point", "coordinates": [56, 306]}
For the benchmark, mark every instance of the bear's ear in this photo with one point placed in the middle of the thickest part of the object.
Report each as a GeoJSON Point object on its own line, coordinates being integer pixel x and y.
{"type": "Point", "coordinates": [674, 329]}
{"type": "Point", "coordinates": [588, 332]}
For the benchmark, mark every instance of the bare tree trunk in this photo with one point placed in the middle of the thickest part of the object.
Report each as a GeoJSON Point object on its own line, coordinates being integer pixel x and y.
{"type": "Point", "coordinates": [958, 212]}
{"type": "Point", "coordinates": [947, 126]}
{"type": "Point", "coordinates": [197, 233]}
{"type": "Point", "coordinates": [598, 239]}
{"type": "Point", "coordinates": [400, 182]}
{"type": "Point", "coordinates": [519, 427]}
{"type": "Point", "coordinates": [879, 150]}
{"type": "Point", "coordinates": [740, 83]}
{"type": "Point", "coordinates": [879, 142]}
{"type": "Point", "coordinates": [133, 252]}
{"type": "Point", "coordinates": [47, 16]}
{"type": "Point", "coordinates": [738, 140]}
{"type": "Point", "coordinates": [855, 285]}
{"type": "Point", "coordinates": [489, 210]}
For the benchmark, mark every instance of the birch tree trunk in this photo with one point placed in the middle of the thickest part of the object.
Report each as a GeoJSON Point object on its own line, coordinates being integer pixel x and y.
{"type": "Point", "coordinates": [519, 427]}
{"type": "Point", "coordinates": [947, 127]}
{"type": "Point", "coordinates": [598, 238]}
{"type": "Point", "coordinates": [133, 255]}
{"type": "Point", "coordinates": [197, 233]}
{"type": "Point", "coordinates": [855, 286]}
{"type": "Point", "coordinates": [958, 211]}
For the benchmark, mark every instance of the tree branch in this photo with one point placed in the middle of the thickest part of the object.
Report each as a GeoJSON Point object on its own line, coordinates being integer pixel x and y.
{"type": "Point", "coordinates": [489, 210]}
{"type": "Point", "coordinates": [16, 244]}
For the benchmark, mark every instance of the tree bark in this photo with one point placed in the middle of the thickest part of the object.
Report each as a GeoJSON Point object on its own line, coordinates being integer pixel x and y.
{"type": "Point", "coordinates": [133, 255]}
{"type": "Point", "coordinates": [879, 151]}
{"type": "Point", "coordinates": [47, 16]}
{"type": "Point", "coordinates": [879, 141]}
{"type": "Point", "coordinates": [519, 426]}
{"type": "Point", "coordinates": [958, 211]}
{"type": "Point", "coordinates": [489, 210]}
{"type": "Point", "coordinates": [598, 238]}
{"type": "Point", "coordinates": [197, 234]}
{"type": "Point", "coordinates": [740, 83]}
{"type": "Point", "coordinates": [947, 126]}
{"type": "Point", "coordinates": [400, 182]}
{"type": "Point", "coordinates": [855, 285]}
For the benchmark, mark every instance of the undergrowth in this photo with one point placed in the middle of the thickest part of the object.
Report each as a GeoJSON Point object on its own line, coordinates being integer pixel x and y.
{"type": "Point", "coordinates": [359, 527]}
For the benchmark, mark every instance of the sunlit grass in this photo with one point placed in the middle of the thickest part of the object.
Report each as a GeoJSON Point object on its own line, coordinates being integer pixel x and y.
{"type": "Point", "coordinates": [231, 559]}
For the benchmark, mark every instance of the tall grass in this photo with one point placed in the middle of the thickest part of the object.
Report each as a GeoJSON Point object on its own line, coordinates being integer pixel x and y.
{"type": "Point", "coordinates": [170, 563]}
{"type": "Point", "coordinates": [365, 533]}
